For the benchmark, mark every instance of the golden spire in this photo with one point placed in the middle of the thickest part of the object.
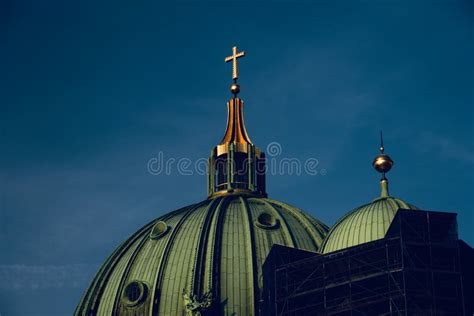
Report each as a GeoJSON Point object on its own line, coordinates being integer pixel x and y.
{"type": "Point", "coordinates": [236, 165]}
{"type": "Point", "coordinates": [234, 88]}
{"type": "Point", "coordinates": [383, 163]}
{"type": "Point", "coordinates": [235, 132]}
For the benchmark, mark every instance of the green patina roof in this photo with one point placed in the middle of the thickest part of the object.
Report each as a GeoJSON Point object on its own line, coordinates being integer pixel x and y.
{"type": "Point", "coordinates": [206, 256]}
{"type": "Point", "coordinates": [364, 224]}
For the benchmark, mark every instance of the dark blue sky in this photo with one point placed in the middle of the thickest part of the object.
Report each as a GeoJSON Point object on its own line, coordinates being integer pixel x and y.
{"type": "Point", "coordinates": [91, 91]}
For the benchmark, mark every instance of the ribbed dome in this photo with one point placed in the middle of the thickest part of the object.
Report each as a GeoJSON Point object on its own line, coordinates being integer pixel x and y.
{"type": "Point", "coordinates": [204, 257]}
{"type": "Point", "coordinates": [364, 224]}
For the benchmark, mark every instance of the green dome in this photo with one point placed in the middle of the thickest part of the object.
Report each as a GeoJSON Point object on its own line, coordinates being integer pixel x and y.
{"type": "Point", "coordinates": [364, 224]}
{"type": "Point", "coordinates": [205, 257]}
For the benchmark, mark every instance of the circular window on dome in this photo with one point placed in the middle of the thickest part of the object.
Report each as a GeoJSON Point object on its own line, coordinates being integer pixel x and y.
{"type": "Point", "coordinates": [267, 221]}
{"type": "Point", "coordinates": [159, 230]}
{"type": "Point", "coordinates": [135, 293]}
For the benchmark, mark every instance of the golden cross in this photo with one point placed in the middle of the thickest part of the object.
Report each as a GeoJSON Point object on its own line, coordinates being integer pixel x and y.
{"type": "Point", "coordinates": [235, 55]}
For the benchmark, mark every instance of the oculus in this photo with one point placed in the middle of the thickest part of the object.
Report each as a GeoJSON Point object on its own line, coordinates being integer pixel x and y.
{"type": "Point", "coordinates": [267, 221]}
{"type": "Point", "coordinates": [135, 293]}
{"type": "Point", "coordinates": [159, 230]}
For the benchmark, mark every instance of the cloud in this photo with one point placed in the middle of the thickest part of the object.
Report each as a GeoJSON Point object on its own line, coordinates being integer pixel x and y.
{"type": "Point", "coordinates": [19, 277]}
{"type": "Point", "coordinates": [446, 147]}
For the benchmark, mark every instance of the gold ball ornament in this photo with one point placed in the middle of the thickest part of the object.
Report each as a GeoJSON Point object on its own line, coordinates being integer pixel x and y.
{"type": "Point", "coordinates": [235, 88]}
{"type": "Point", "coordinates": [383, 163]}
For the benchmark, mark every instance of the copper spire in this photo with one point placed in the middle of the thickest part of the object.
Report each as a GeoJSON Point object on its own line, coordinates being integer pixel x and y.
{"type": "Point", "coordinates": [236, 165]}
{"type": "Point", "coordinates": [235, 131]}
{"type": "Point", "coordinates": [383, 163]}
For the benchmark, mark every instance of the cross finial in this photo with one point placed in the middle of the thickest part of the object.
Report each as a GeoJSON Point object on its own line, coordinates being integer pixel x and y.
{"type": "Point", "coordinates": [233, 58]}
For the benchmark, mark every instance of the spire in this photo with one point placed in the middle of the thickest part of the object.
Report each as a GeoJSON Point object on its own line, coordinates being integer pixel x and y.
{"type": "Point", "coordinates": [383, 163]}
{"type": "Point", "coordinates": [236, 165]}
{"type": "Point", "coordinates": [235, 131]}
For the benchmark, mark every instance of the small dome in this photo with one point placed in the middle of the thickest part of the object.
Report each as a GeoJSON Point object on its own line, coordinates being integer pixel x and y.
{"type": "Point", "coordinates": [364, 224]}
{"type": "Point", "coordinates": [206, 257]}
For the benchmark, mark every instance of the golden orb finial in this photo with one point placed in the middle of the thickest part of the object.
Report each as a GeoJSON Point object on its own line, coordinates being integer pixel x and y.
{"type": "Point", "coordinates": [382, 163]}
{"type": "Point", "coordinates": [234, 88]}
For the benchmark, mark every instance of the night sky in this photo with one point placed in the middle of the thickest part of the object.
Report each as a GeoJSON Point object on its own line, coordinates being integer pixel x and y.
{"type": "Point", "coordinates": [91, 91]}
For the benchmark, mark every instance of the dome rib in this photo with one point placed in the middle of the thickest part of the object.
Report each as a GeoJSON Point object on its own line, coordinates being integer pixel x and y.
{"type": "Point", "coordinates": [128, 267]}
{"type": "Point", "coordinates": [177, 269]}
{"type": "Point", "coordinates": [385, 220]}
{"type": "Point", "coordinates": [348, 229]}
{"type": "Point", "coordinates": [375, 213]}
{"type": "Point", "coordinates": [218, 245]}
{"type": "Point", "coordinates": [197, 283]}
{"type": "Point", "coordinates": [165, 257]}
{"type": "Point", "coordinates": [213, 253]}
{"type": "Point", "coordinates": [251, 262]}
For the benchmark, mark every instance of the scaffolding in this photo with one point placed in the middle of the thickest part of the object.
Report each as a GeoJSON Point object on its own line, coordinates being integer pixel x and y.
{"type": "Point", "coordinates": [414, 270]}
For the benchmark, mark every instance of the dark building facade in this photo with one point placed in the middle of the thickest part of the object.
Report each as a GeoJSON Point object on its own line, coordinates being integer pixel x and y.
{"type": "Point", "coordinates": [420, 267]}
